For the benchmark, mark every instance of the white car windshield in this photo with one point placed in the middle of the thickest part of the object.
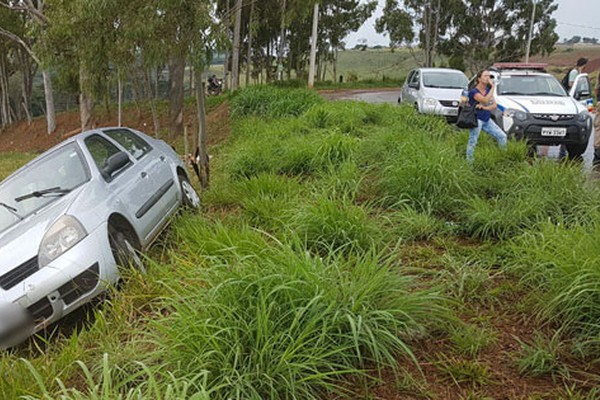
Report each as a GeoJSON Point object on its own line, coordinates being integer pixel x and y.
{"type": "Point", "coordinates": [41, 183]}
{"type": "Point", "coordinates": [444, 80]}
{"type": "Point", "coordinates": [530, 85]}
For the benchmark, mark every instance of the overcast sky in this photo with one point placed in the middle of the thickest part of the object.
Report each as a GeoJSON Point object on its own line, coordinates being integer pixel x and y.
{"type": "Point", "coordinates": [574, 17]}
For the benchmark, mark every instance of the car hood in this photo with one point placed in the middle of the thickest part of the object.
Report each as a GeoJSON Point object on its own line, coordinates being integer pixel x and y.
{"type": "Point", "coordinates": [21, 241]}
{"type": "Point", "coordinates": [442, 94]}
{"type": "Point", "coordinates": [541, 104]}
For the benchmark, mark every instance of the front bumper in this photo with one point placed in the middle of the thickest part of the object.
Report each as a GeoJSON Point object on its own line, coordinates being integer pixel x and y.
{"type": "Point", "coordinates": [448, 111]}
{"type": "Point", "coordinates": [577, 132]}
{"type": "Point", "coordinates": [50, 293]}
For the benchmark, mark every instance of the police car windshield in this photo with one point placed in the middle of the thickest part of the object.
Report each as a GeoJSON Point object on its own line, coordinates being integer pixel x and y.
{"type": "Point", "coordinates": [530, 85]}
{"type": "Point", "coordinates": [444, 80]}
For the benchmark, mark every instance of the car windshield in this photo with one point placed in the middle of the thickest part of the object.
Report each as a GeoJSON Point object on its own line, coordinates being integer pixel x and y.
{"type": "Point", "coordinates": [530, 85]}
{"type": "Point", "coordinates": [42, 182]}
{"type": "Point", "coordinates": [445, 80]}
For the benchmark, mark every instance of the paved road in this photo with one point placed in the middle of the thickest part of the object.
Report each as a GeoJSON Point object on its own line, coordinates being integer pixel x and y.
{"type": "Point", "coordinates": [391, 96]}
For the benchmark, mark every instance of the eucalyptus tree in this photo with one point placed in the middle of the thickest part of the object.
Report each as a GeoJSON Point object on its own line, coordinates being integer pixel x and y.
{"type": "Point", "coordinates": [471, 33]}
{"type": "Point", "coordinates": [29, 35]}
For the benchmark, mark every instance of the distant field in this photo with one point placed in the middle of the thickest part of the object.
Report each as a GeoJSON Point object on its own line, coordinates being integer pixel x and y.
{"type": "Point", "coordinates": [385, 65]}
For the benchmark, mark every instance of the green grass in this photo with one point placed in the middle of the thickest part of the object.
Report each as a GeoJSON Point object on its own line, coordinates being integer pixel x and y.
{"type": "Point", "coordinates": [334, 238]}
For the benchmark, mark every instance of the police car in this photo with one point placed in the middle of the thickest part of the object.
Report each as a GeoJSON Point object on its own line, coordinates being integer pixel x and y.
{"type": "Point", "coordinates": [534, 106]}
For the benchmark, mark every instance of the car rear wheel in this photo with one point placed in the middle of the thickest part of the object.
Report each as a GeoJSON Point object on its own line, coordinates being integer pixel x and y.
{"type": "Point", "coordinates": [190, 198]}
{"type": "Point", "coordinates": [123, 249]}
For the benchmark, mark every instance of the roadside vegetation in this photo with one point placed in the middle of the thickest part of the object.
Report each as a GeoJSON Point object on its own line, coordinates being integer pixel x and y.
{"type": "Point", "coordinates": [347, 249]}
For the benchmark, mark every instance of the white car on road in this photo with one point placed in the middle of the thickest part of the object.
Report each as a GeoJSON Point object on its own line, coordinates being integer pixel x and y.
{"type": "Point", "coordinates": [71, 216]}
{"type": "Point", "coordinates": [434, 91]}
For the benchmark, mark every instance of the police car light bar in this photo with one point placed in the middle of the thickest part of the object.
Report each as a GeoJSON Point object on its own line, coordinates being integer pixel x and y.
{"type": "Point", "coordinates": [524, 66]}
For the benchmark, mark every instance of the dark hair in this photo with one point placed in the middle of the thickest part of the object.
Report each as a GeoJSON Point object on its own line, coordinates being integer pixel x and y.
{"type": "Point", "coordinates": [582, 61]}
{"type": "Point", "coordinates": [479, 74]}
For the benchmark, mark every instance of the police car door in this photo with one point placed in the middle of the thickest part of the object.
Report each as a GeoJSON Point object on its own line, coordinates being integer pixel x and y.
{"type": "Point", "coordinates": [582, 90]}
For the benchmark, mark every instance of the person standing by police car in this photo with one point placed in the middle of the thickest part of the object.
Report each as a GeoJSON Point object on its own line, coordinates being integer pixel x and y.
{"type": "Point", "coordinates": [482, 97]}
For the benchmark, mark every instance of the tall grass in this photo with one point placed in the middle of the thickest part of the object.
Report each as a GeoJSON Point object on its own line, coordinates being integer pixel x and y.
{"type": "Point", "coordinates": [561, 266]}
{"type": "Point", "coordinates": [289, 325]}
{"type": "Point", "coordinates": [268, 101]}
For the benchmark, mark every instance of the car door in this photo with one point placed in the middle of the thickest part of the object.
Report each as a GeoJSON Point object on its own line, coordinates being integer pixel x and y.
{"type": "Point", "coordinates": [158, 172]}
{"type": "Point", "coordinates": [404, 94]}
{"type": "Point", "coordinates": [413, 87]}
{"type": "Point", "coordinates": [582, 90]}
{"type": "Point", "coordinates": [131, 184]}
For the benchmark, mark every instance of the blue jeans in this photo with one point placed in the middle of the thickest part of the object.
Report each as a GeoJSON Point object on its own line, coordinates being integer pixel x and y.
{"type": "Point", "coordinates": [491, 128]}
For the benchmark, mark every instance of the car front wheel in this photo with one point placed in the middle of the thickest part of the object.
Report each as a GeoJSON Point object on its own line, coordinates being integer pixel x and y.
{"type": "Point", "coordinates": [575, 151]}
{"type": "Point", "coordinates": [123, 249]}
{"type": "Point", "coordinates": [190, 198]}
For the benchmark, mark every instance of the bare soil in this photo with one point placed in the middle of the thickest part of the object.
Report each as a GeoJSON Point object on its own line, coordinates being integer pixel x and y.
{"type": "Point", "coordinates": [32, 138]}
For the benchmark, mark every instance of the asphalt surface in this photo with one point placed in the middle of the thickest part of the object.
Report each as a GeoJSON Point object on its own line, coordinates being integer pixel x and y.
{"type": "Point", "coordinates": [391, 96]}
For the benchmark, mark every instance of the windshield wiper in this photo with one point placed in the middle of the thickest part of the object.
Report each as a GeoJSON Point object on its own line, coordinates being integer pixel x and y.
{"type": "Point", "coordinates": [58, 191]}
{"type": "Point", "coordinates": [12, 210]}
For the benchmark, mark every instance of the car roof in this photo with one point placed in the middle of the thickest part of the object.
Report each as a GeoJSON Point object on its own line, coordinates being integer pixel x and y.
{"type": "Point", "coordinates": [440, 70]}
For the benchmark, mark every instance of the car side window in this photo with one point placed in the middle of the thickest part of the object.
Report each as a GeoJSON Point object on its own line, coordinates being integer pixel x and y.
{"type": "Point", "coordinates": [135, 145]}
{"type": "Point", "coordinates": [410, 75]}
{"type": "Point", "coordinates": [415, 78]}
{"type": "Point", "coordinates": [583, 85]}
{"type": "Point", "coordinates": [100, 149]}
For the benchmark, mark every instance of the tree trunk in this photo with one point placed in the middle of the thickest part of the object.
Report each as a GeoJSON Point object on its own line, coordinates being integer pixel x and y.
{"type": "Point", "coordinates": [152, 103]}
{"type": "Point", "coordinates": [202, 154]}
{"type": "Point", "coordinates": [313, 47]}
{"type": "Point", "coordinates": [49, 97]}
{"type": "Point", "coordinates": [226, 59]}
{"type": "Point", "coordinates": [86, 100]}
{"type": "Point", "coordinates": [120, 98]}
{"type": "Point", "coordinates": [235, 68]}
{"type": "Point", "coordinates": [5, 114]}
{"type": "Point", "coordinates": [281, 43]}
{"type": "Point", "coordinates": [250, 40]}
{"type": "Point", "coordinates": [176, 75]}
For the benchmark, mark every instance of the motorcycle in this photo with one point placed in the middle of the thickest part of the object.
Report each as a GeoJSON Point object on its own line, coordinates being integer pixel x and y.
{"type": "Point", "coordinates": [214, 87]}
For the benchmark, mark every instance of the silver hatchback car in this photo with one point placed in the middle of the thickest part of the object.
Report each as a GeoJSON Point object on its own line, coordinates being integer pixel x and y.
{"type": "Point", "coordinates": [434, 91]}
{"type": "Point", "coordinates": [72, 215]}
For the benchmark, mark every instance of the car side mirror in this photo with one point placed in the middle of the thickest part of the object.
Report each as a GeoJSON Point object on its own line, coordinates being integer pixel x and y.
{"type": "Point", "coordinates": [582, 94]}
{"type": "Point", "coordinates": [115, 163]}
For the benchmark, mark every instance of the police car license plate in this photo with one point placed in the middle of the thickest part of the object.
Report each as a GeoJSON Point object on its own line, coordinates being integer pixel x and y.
{"type": "Point", "coordinates": [554, 131]}
{"type": "Point", "coordinates": [451, 111]}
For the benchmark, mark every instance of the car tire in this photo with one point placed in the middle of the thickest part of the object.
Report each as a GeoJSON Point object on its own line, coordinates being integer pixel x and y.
{"type": "Point", "coordinates": [575, 151]}
{"type": "Point", "coordinates": [399, 100]}
{"type": "Point", "coordinates": [123, 249]}
{"type": "Point", "coordinates": [189, 197]}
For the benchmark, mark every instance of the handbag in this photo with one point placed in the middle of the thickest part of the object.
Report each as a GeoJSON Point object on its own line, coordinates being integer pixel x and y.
{"type": "Point", "coordinates": [467, 117]}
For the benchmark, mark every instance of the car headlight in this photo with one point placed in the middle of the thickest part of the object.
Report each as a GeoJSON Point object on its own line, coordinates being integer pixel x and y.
{"type": "Point", "coordinates": [583, 116]}
{"type": "Point", "coordinates": [430, 102]}
{"type": "Point", "coordinates": [64, 234]}
{"type": "Point", "coordinates": [516, 114]}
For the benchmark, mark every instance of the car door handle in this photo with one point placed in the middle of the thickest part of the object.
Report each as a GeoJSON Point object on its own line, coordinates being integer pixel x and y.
{"type": "Point", "coordinates": [162, 158]}
{"type": "Point", "coordinates": [144, 174]}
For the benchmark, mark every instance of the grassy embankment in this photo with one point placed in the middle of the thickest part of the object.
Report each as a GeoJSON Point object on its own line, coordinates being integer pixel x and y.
{"type": "Point", "coordinates": [336, 239]}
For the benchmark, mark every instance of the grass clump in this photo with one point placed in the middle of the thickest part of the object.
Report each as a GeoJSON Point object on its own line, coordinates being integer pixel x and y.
{"type": "Point", "coordinates": [539, 358]}
{"type": "Point", "coordinates": [290, 326]}
{"type": "Point", "coordinates": [272, 102]}
{"type": "Point", "coordinates": [561, 265]}
{"type": "Point", "coordinates": [330, 225]}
